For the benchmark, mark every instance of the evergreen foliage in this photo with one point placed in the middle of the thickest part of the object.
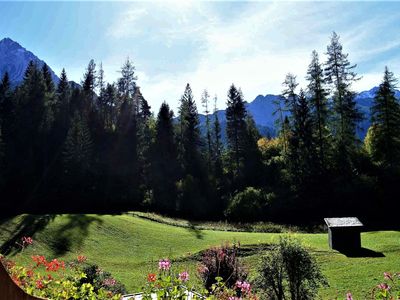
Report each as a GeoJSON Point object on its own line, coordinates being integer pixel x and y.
{"type": "Point", "coordinates": [385, 116]}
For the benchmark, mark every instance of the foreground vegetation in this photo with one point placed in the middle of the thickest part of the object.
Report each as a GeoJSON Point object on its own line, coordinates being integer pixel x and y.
{"type": "Point", "coordinates": [129, 247]}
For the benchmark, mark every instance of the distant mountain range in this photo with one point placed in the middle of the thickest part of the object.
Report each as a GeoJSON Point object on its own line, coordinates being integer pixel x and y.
{"type": "Point", "coordinates": [14, 59]}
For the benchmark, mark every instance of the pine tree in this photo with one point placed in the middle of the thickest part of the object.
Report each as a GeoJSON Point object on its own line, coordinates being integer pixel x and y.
{"type": "Point", "coordinates": [319, 109]}
{"type": "Point", "coordinates": [289, 94]}
{"type": "Point", "coordinates": [126, 166]}
{"type": "Point", "coordinates": [7, 107]}
{"type": "Point", "coordinates": [194, 183]}
{"type": "Point", "coordinates": [110, 101]}
{"type": "Point", "coordinates": [282, 129]}
{"type": "Point", "coordinates": [385, 118]}
{"type": "Point", "coordinates": [236, 128]}
{"type": "Point", "coordinates": [302, 150]}
{"type": "Point", "coordinates": [165, 167]}
{"type": "Point", "coordinates": [189, 134]}
{"type": "Point", "coordinates": [78, 147]}
{"type": "Point", "coordinates": [127, 81]}
{"type": "Point", "coordinates": [89, 84]}
{"type": "Point", "coordinates": [47, 79]}
{"type": "Point", "coordinates": [63, 98]}
{"type": "Point", "coordinates": [217, 146]}
{"type": "Point", "coordinates": [205, 101]}
{"type": "Point", "coordinates": [340, 74]}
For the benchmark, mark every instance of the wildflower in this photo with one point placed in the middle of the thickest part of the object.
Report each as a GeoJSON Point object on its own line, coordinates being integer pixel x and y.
{"type": "Point", "coordinates": [202, 269]}
{"type": "Point", "coordinates": [109, 282]}
{"type": "Point", "coordinates": [384, 286]}
{"type": "Point", "coordinates": [221, 254]}
{"type": "Point", "coordinates": [26, 241]}
{"type": "Point", "coordinates": [349, 296]}
{"type": "Point", "coordinates": [387, 276]}
{"type": "Point", "coordinates": [81, 258]}
{"type": "Point", "coordinates": [184, 276]}
{"type": "Point", "coordinates": [39, 284]}
{"type": "Point", "coordinates": [54, 265]}
{"type": "Point", "coordinates": [29, 273]}
{"type": "Point", "coordinates": [151, 277]}
{"type": "Point", "coordinates": [39, 260]}
{"type": "Point", "coordinates": [244, 286]}
{"type": "Point", "coordinates": [49, 277]}
{"type": "Point", "coordinates": [164, 265]}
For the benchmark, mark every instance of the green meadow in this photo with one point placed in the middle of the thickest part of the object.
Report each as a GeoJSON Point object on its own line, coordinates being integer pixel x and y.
{"type": "Point", "coordinates": [130, 246]}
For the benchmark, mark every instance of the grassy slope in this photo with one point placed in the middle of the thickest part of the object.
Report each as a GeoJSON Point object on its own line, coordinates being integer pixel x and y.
{"type": "Point", "coordinates": [129, 247]}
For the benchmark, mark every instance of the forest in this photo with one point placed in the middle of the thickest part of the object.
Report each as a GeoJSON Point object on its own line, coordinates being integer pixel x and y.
{"type": "Point", "coordinates": [98, 147]}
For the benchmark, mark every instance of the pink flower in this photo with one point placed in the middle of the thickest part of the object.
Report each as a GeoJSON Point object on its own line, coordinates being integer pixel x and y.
{"type": "Point", "coordinates": [26, 241]}
{"type": "Point", "coordinates": [384, 286]}
{"type": "Point", "coordinates": [244, 286]}
{"type": "Point", "coordinates": [349, 296]}
{"type": "Point", "coordinates": [164, 265]}
{"type": "Point", "coordinates": [387, 276]}
{"type": "Point", "coordinates": [109, 282]}
{"type": "Point", "coordinates": [184, 276]}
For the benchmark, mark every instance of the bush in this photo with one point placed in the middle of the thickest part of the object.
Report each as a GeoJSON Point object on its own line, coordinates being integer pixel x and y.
{"type": "Point", "coordinates": [221, 262]}
{"type": "Point", "coordinates": [247, 205]}
{"type": "Point", "coordinates": [290, 272]}
{"type": "Point", "coordinates": [101, 279]}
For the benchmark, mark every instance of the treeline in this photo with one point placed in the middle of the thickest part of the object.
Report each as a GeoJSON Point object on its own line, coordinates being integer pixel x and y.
{"type": "Point", "coordinates": [99, 148]}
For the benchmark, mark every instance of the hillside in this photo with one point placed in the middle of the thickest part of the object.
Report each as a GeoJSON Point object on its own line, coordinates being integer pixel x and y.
{"type": "Point", "coordinates": [129, 247]}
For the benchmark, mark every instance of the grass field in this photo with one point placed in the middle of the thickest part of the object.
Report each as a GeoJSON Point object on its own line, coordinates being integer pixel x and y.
{"type": "Point", "coordinates": [129, 247]}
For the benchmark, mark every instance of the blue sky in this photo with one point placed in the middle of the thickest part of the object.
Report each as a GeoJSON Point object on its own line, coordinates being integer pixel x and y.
{"type": "Point", "coordinates": [208, 44]}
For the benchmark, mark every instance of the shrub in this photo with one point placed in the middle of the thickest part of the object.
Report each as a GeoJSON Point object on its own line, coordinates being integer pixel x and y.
{"type": "Point", "coordinates": [221, 262]}
{"type": "Point", "coordinates": [247, 205]}
{"type": "Point", "coordinates": [48, 279]}
{"type": "Point", "coordinates": [290, 272]}
{"type": "Point", "coordinates": [101, 279]}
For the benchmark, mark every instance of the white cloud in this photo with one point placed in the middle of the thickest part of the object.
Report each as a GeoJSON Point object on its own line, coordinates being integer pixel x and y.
{"type": "Point", "coordinates": [253, 48]}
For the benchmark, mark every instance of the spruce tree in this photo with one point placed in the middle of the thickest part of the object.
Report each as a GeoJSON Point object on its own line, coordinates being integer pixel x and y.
{"type": "Point", "coordinates": [127, 82]}
{"type": "Point", "coordinates": [165, 167]}
{"type": "Point", "coordinates": [302, 150]}
{"type": "Point", "coordinates": [189, 134]}
{"type": "Point", "coordinates": [194, 182]}
{"type": "Point", "coordinates": [236, 128]}
{"type": "Point", "coordinates": [319, 109]}
{"type": "Point", "coordinates": [205, 101]}
{"type": "Point", "coordinates": [339, 73]}
{"type": "Point", "coordinates": [63, 102]}
{"type": "Point", "coordinates": [385, 118]}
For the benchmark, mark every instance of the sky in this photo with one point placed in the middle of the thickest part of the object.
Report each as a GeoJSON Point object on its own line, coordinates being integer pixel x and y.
{"type": "Point", "coordinates": [207, 44]}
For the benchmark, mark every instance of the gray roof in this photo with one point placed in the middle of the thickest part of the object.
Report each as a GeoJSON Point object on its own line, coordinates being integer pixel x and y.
{"type": "Point", "coordinates": [343, 222]}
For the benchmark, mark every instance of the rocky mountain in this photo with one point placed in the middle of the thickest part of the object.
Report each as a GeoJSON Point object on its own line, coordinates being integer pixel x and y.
{"type": "Point", "coordinates": [14, 59]}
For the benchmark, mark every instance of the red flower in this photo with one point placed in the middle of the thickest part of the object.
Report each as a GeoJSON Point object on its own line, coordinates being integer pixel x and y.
{"type": "Point", "coordinates": [29, 273]}
{"type": "Point", "coordinates": [81, 258]}
{"type": "Point", "coordinates": [151, 277]}
{"type": "Point", "coordinates": [39, 284]}
{"type": "Point", "coordinates": [39, 260]}
{"type": "Point", "coordinates": [54, 265]}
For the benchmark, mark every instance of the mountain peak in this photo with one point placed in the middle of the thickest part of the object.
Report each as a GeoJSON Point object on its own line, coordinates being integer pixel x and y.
{"type": "Point", "coordinates": [14, 59]}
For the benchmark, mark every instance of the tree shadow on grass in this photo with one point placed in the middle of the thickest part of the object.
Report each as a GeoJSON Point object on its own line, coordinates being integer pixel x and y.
{"type": "Point", "coordinates": [362, 252]}
{"type": "Point", "coordinates": [199, 234]}
{"type": "Point", "coordinates": [71, 235]}
{"type": "Point", "coordinates": [29, 225]}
